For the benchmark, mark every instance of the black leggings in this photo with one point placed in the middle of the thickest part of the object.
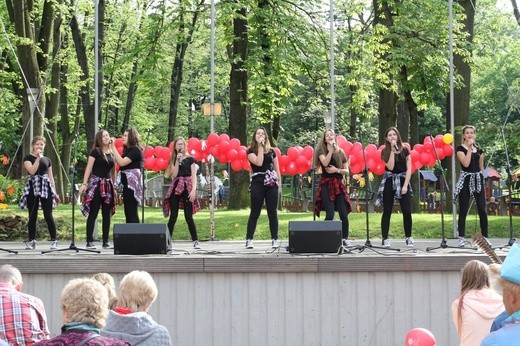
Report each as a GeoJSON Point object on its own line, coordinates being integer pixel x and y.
{"type": "Point", "coordinates": [33, 203]}
{"type": "Point", "coordinates": [259, 192]}
{"type": "Point", "coordinates": [480, 201]}
{"type": "Point", "coordinates": [388, 203]}
{"type": "Point", "coordinates": [95, 204]}
{"type": "Point", "coordinates": [130, 203]}
{"type": "Point", "coordinates": [188, 213]}
{"type": "Point", "coordinates": [338, 204]}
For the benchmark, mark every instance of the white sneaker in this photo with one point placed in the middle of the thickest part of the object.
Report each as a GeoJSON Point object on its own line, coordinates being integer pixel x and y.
{"type": "Point", "coordinates": [386, 243]}
{"type": "Point", "coordinates": [462, 242]}
{"type": "Point", "coordinates": [409, 241]}
{"type": "Point", "coordinates": [345, 242]}
{"type": "Point", "coordinates": [30, 245]}
{"type": "Point", "coordinates": [196, 245]}
{"type": "Point", "coordinates": [249, 244]}
{"type": "Point", "coordinates": [275, 243]}
{"type": "Point", "coordinates": [54, 245]}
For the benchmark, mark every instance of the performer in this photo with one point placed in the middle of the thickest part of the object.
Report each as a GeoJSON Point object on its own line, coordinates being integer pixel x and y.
{"type": "Point", "coordinates": [395, 184]}
{"type": "Point", "coordinates": [183, 189]}
{"type": "Point", "coordinates": [332, 163]}
{"type": "Point", "coordinates": [99, 187]}
{"type": "Point", "coordinates": [265, 185]}
{"type": "Point", "coordinates": [471, 182]}
{"type": "Point", "coordinates": [39, 191]}
{"type": "Point", "coordinates": [130, 173]}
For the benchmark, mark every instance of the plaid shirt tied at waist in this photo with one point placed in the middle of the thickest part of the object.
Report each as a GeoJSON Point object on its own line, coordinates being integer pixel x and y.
{"type": "Point", "coordinates": [396, 186]}
{"type": "Point", "coordinates": [336, 186]}
{"type": "Point", "coordinates": [177, 187]}
{"type": "Point", "coordinates": [475, 183]}
{"type": "Point", "coordinates": [41, 187]}
{"type": "Point", "coordinates": [133, 178]}
{"type": "Point", "coordinates": [106, 191]}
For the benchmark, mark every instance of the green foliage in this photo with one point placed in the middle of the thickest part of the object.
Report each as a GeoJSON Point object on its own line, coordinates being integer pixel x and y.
{"type": "Point", "coordinates": [10, 190]}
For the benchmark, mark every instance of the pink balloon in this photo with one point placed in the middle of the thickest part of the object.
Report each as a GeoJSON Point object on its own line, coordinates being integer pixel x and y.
{"type": "Point", "coordinates": [420, 337]}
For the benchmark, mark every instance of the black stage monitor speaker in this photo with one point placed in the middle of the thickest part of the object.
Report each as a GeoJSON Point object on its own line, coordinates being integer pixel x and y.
{"type": "Point", "coordinates": [314, 236]}
{"type": "Point", "coordinates": [140, 239]}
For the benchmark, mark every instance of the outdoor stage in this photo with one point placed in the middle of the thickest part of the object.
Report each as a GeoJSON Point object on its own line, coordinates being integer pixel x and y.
{"type": "Point", "coordinates": [227, 295]}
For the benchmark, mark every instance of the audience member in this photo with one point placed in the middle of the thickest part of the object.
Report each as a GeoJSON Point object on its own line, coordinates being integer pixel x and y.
{"type": "Point", "coordinates": [84, 307]}
{"type": "Point", "coordinates": [130, 320]}
{"type": "Point", "coordinates": [509, 332]}
{"type": "Point", "coordinates": [476, 307]}
{"type": "Point", "coordinates": [108, 282]}
{"type": "Point", "coordinates": [23, 318]}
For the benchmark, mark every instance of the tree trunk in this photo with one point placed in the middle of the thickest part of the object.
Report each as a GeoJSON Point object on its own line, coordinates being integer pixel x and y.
{"type": "Point", "coordinates": [238, 194]}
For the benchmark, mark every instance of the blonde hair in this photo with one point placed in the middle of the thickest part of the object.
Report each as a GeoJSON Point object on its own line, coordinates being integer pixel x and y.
{"type": "Point", "coordinates": [85, 300]}
{"type": "Point", "coordinates": [474, 277]}
{"type": "Point", "coordinates": [509, 286]}
{"type": "Point", "coordinates": [321, 149]}
{"type": "Point", "coordinates": [108, 282]}
{"type": "Point", "coordinates": [137, 291]}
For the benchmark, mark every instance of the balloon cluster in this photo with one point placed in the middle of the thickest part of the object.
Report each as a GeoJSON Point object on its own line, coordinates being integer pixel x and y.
{"type": "Point", "coordinates": [298, 160]}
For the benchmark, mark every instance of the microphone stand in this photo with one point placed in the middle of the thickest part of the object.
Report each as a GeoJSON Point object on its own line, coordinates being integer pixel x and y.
{"type": "Point", "coordinates": [73, 172]}
{"type": "Point", "coordinates": [510, 183]}
{"type": "Point", "coordinates": [444, 185]}
{"type": "Point", "coordinates": [368, 197]}
{"type": "Point", "coordinates": [2, 249]}
{"type": "Point", "coordinates": [143, 172]}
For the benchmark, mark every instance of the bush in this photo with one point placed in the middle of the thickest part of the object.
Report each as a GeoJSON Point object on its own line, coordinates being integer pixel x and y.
{"type": "Point", "coordinates": [10, 191]}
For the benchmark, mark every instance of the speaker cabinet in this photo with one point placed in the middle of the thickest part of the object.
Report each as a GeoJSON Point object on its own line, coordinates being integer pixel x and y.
{"type": "Point", "coordinates": [140, 239]}
{"type": "Point", "coordinates": [314, 236]}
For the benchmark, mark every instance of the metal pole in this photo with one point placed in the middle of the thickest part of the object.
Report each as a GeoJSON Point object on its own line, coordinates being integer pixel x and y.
{"type": "Point", "coordinates": [452, 113]}
{"type": "Point", "coordinates": [332, 99]}
{"type": "Point", "coordinates": [212, 121]}
{"type": "Point", "coordinates": [33, 95]}
{"type": "Point", "coordinates": [96, 86]}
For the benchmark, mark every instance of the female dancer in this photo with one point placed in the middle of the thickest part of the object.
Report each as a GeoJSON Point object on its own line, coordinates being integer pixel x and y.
{"type": "Point", "coordinates": [183, 190]}
{"type": "Point", "coordinates": [471, 182]}
{"type": "Point", "coordinates": [265, 185]}
{"type": "Point", "coordinates": [130, 173]}
{"type": "Point", "coordinates": [477, 306]}
{"type": "Point", "coordinates": [39, 190]}
{"type": "Point", "coordinates": [396, 184]}
{"type": "Point", "coordinates": [331, 162]}
{"type": "Point", "coordinates": [99, 187]}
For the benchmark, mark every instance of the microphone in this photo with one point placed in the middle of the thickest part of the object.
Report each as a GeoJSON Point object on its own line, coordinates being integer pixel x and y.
{"type": "Point", "coordinates": [262, 143]}
{"type": "Point", "coordinates": [179, 157]}
{"type": "Point", "coordinates": [396, 147]}
{"type": "Point", "coordinates": [110, 142]}
{"type": "Point", "coordinates": [334, 145]}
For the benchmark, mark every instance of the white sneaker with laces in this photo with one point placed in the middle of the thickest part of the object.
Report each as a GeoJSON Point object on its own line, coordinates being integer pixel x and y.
{"type": "Point", "coordinates": [249, 244]}
{"type": "Point", "coordinates": [54, 245]}
{"type": "Point", "coordinates": [386, 243]}
{"type": "Point", "coordinates": [30, 245]}
{"type": "Point", "coordinates": [196, 245]}
{"type": "Point", "coordinates": [275, 243]}
{"type": "Point", "coordinates": [345, 242]}
{"type": "Point", "coordinates": [462, 242]}
{"type": "Point", "coordinates": [409, 241]}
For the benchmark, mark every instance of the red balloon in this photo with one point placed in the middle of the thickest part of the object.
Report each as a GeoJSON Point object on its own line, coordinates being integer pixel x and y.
{"type": "Point", "coordinates": [213, 139]}
{"type": "Point", "coordinates": [301, 161]}
{"type": "Point", "coordinates": [293, 154]}
{"type": "Point", "coordinates": [246, 165]}
{"type": "Point", "coordinates": [194, 144]}
{"type": "Point", "coordinates": [420, 337]}
{"type": "Point", "coordinates": [432, 161]}
{"type": "Point", "coordinates": [148, 151]}
{"type": "Point", "coordinates": [356, 146]}
{"type": "Point", "coordinates": [277, 151]}
{"type": "Point", "coordinates": [283, 160]}
{"type": "Point", "coordinates": [347, 147]}
{"type": "Point", "coordinates": [425, 157]}
{"type": "Point", "coordinates": [440, 153]}
{"type": "Point", "coordinates": [380, 168]}
{"type": "Point", "coordinates": [119, 142]}
{"type": "Point", "coordinates": [439, 141]}
{"type": "Point", "coordinates": [223, 138]}
{"type": "Point", "coordinates": [304, 168]}
{"type": "Point", "coordinates": [370, 148]}
{"type": "Point", "coordinates": [199, 156]}
{"type": "Point", "coordinates": [308, 152]}
{"type": "Point", "coordinates": [407, 145]}
{"type": "Point", "coordinates": [236, 165]}
{"type": "Point", "coordinates": [157, 151]}
{"type": "Point", "coordinates": [161, 164]}
{"type": "Point", "coordinates": [165, 153]}
{"type": "Point", "coordinates": [341, 140]}
{"type": "Point", "coordinates": [292, 169]}
{"type": "Point", "coordinates": [356, 168]}
{"type": "Point", "coordinates": [223, 147]}
{"type": "Point", "coordinates": [232, 154]}
{"type": "Point", "coordinates": [448, 149]}
{"type": "Point", "coordinates": [242, 153]}
{"type": "Point", "coordinates": [418, 147]}
{"type": "Point", "coordinates": [149, 162]}
{"type": "Point", "coordinates": [170, 146]}
{"type": "Point", "coordinates": [428, 146]}
{"type": "Point", "coordinates": [234, 143]}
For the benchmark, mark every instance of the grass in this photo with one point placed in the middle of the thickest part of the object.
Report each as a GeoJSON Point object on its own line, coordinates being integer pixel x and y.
{"type": "Point", "coordinates": [231, 225]}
